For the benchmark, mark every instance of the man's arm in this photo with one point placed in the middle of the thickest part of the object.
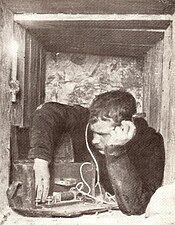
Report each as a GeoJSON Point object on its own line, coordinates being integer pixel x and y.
{"type": "Point", "coordinates": [50, 122]}
{"type": "Point", "coordinates": [131, 190]}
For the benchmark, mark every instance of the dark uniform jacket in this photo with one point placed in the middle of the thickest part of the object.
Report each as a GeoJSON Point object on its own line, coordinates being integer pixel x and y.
{"type": "Point", "coordinates": [132, 172]}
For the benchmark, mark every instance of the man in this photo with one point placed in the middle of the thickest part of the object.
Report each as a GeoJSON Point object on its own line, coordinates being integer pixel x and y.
{"type": "Point", "coordinates": [130, 155]}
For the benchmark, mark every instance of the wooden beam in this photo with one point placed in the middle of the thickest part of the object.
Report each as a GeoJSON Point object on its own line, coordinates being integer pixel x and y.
{"type": "Point", "coordinates": [89, 17]}
{"type": "Point", "coordinates": [34, 77]}
{"type": "Point", "coordinates": [80, 37]}
{"type": "Point", "coordinates": [6, 33]}
{"type": "Point", "coordinates": [165, 105]}
{"type": "Point", "coordinates": [100, 24]}
{"type": "Point", "coordinates": [92, 7]}
{"type": "Point", "coordinates": [103, 50]}
{"type": "Point", "coordinates": [17, 109]}
{"type": "Point", "coordinates": [171, 136]}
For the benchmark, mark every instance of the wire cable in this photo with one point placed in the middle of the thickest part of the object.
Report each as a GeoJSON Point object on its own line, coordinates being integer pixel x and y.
{"type": "Point", "coordinates": [80, 185]}
{"type": "Point", "coordinates": [94, 159]}
{"type": "Point", "coordinates": [107, 194]}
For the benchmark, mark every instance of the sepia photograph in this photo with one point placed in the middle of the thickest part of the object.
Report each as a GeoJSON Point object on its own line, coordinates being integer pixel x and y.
{"type": "Point", "coordinates": [87, 112]}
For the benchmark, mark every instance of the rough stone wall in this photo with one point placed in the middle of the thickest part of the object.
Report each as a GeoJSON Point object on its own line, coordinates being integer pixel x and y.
{"type": "Point", "coordinates": [77, 78]}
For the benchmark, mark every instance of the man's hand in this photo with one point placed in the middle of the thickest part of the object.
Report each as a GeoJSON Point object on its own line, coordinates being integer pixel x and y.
{"type": "Point", "coordinates": [122, 134]}
{"type": "Point", "coordinates": [42, 179]}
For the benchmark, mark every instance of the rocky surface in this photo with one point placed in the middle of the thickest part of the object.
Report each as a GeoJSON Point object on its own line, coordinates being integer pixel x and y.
{"type": "Point", "coordinates": [76, 79]}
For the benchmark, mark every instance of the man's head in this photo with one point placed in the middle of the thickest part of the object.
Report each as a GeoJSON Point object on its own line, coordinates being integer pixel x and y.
{"type": "Point", "coordinates": [117, 105]}
{"type": "Point", "coordinates": [107, 111]}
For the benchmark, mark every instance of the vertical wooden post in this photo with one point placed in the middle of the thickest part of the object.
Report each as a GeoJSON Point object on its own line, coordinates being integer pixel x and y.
{"type": "Point", "coordinates": [152, 84]}
{"type": "Point", "coordinates": [18, 105]}
{"type": "Point", "coordinates": [171, 134]}
{"type": "Point", "coordinates": [30, 74]}
{"type": "Point", "coordinates": [165, 105]}
{"type": "Point", "coordinates": [6, 31]}
{"type": "Point", "coordinates": [167, 124]}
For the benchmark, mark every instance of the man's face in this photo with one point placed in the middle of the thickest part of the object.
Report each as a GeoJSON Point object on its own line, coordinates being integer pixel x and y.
{"type": "Point", "coordinates": [101, 133]}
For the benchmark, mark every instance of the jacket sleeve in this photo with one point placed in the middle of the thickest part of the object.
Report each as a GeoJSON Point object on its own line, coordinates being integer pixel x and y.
{"type": "Point", "coordinates": [49, 122]}
{"type": "Point", "coordinates": [133, 188]}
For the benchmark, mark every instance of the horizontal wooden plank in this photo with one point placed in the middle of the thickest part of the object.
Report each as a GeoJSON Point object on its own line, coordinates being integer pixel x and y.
{"type": "Point", "coordinates": [103, 50]}
{"type": "Point", "coordinates": [92, 41]}
{"type": "Point", "coordinates": [89, 17]}
{"type": "Point", "coordinates": [91, 6]}
{"type": "Point", "coordinates": [100, 24]}
{"type": "Point", "coordinates": [81, 36]}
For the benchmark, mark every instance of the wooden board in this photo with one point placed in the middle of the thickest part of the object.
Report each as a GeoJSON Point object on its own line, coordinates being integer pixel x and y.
{"type": "Point", "coordinates": [103, 50]}
{"type": "Point", "coordinates": [125, 23]}
{"type": "Point", "coordinates": [31, 76]}
{"type": "Point", "coordinates": [165, 98]}
{"type": "Point", "coordinates": [98, 41]}
{"type": "Point", "coordinates": [171, 126]}
{"type": "Point", "coordinates": [17, 108]}
{"type": "Point", "coordinates": [99, 7]}
{"type": "Point", "coordinates": [153, 84]}
{"type": "Point", "coordinates": [159, 103]}
{"type": "Point", "coordinates": [6, 31]}
{"type": "Point", "coordinates": [103, 36]}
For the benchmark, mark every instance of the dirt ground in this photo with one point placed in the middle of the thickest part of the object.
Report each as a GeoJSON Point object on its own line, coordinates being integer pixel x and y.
{"type": "Point", "coordinates": [9, 217]}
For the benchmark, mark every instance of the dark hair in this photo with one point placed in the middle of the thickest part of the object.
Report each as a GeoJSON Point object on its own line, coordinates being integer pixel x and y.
{"type": "Point", "coordinates": [118, 105]}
